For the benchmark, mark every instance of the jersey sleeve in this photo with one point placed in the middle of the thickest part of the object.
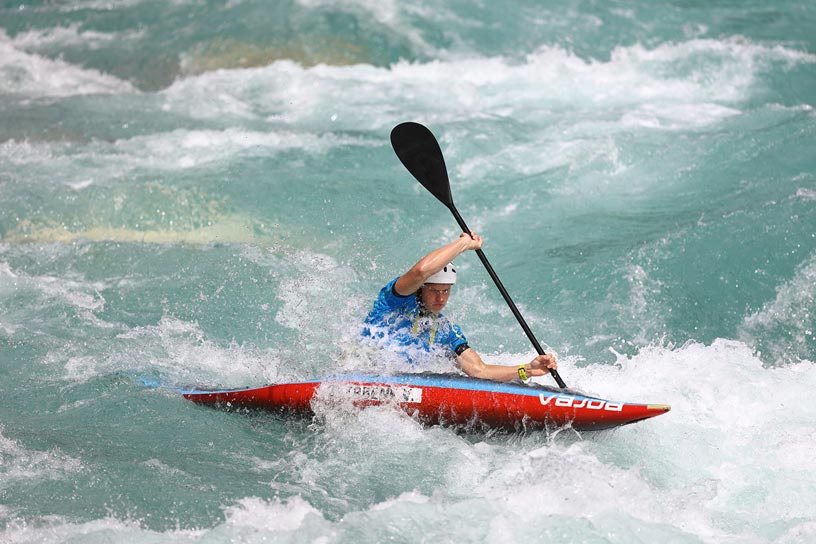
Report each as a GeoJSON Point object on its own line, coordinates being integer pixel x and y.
{"type": "Point", "coordinates": [452, 337]}
{"type": "Point", "coordinates": [389, 301]}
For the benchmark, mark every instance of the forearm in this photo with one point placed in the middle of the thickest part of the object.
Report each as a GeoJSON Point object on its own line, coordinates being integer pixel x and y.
{"type": "Point", "coordinates": [434, 261]}
{"type": "Point", "coordinates": [471, 364]}
{"type": "Point", "coordinates": [430, 264]}
{"type": "Point", "coordinates": [499, 373]}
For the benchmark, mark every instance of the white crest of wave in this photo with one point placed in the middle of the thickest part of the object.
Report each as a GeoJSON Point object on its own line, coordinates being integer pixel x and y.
{"type": "Point", "coordinates": [731, 462]}
{"type": "Point", "coordinates": [25, 152]}
{"type": "Point", "coordinates": [68, 36]}
{"type": "Point", "coordinates": [386, 13]}
{"type": "Point", "coordinates": [249, 520]}
{"type": "Point", "coordinates": [51, 292]}
{"type": "Point", "coordinates": [253, 514]}
{"type": "Point", "coordinates": [182, 353]}
{"type": "Point", "coordinates": [181, 149]}
{"type": "Point", "coordinates": [703, 72]}
{"type": "Point", "coordinates": [20, 463]}
{"type": "Point", "coordinates": [5, 270]}
{"type": "Point", "coordinates": [698, 70]}
{"type": "Point", "coordinates": [785, 327]}
{"type": "Point", "coordinates": [36, 76]}
{"type": "Point", "coordinates": [318, 304]}
{"type": "Point", "coordinates": [316, 280]}
{"type": "Point", "coordinates": [101, 5]}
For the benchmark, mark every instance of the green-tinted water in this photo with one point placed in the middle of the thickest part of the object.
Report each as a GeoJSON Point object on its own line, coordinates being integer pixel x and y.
{"type": "Point", "coordinates": [203, 192]}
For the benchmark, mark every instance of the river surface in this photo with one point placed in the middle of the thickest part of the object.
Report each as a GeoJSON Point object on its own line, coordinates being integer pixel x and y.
{"type": "Point", "coordinates": [201, 192]}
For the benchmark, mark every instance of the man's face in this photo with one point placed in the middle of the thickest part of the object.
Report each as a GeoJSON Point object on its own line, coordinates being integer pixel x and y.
{"type": "Point", "coordinates": [435, 296]}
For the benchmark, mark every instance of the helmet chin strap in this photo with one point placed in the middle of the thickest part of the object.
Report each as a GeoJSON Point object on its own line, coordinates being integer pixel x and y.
{"type": "Point", "coordinates": [422, 308]}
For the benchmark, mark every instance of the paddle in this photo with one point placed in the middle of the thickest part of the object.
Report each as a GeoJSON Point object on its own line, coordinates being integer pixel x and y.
{"type": "Point", "coordinates": [419, 151]}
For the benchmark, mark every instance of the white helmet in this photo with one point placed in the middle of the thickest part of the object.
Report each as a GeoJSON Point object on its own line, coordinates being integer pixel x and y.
{"type": "Point", "coordinates": [446, 275]}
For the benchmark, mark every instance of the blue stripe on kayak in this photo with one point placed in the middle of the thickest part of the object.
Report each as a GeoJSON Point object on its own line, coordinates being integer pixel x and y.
{"type": "Point", "coordinates": [219, 391]}
{"type": "Point", "coordinates": [461, 383]}
{"type": "Point", "coordinates": [427, 380]}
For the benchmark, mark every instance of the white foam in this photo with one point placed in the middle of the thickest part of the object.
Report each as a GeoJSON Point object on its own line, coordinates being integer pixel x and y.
{"type": "Point", "coordinates": [736, 47]}
{"type": "Point", "coordinates": [157, 465]}
{"type": "Point", "coordinates": [179, 149]}
{"type": "Point", "coordinates": [80, 184]}
{"type": "Point", "coordinates": [5, 270]}
{"type": "Point", "coordinates": [734, 427]}
{"type": "Point", "coordinates": [791, 311]}
{"type": "Point", "coordinates": [78, 293]}
{"type": "Point", "coordinates": [70, 36]}
{"type": "Point", "coordinates": [19, 463]}
{"type": "Point", "coordinates": [317, 280]}
{"type": "Point", "coordinates": [386, 13]}
{"type": "Point", "coordinates": [20, 153]}
{"type": "Point", "coordinates": [183, 149]}
{"type": "Point", "coordinates": [733, 422]}
{"type": "Point", "coordinates": [249, 520]}
{"type": "Point", "coordinates": [730, 463]}
{"type": "Point", "coordinates": [690, 83]}
{"type": "Point", "coordinates": [641, 307]}
{"type": "Point", "coordinates": [271, 516]}
{"type": "Point", "coordinates": [804, 193]}
{"type": "Point", "coordinates": [696, 84]}
{"type": "Point", "coordinates": [177, 351]}
{"type": "Point", "coordinates": [676, 117]}
{"type": "Point", "coordinates": [101, 5]}
{"type": "Point", "coordinates": [183, 354]}
{"type": "Point", "coordinates": [57, 530]}
{"type": "Point", "coordinates": [36, 76]}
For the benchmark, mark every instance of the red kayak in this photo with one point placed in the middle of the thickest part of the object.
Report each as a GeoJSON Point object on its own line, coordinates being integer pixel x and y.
{"type": "Point", "coordinates": [444, 399]}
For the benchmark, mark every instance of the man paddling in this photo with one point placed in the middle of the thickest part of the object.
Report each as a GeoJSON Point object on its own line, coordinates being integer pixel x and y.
{"type": "Point", "coordinates": [406, 317]}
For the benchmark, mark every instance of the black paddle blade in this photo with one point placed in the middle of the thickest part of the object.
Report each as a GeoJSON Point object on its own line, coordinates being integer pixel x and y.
{"type": "Point", "coordinates": [419, 152]}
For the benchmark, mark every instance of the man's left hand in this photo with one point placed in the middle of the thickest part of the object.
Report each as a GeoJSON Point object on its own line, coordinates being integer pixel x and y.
{"type": "Point", "coordinates": [543, 364]}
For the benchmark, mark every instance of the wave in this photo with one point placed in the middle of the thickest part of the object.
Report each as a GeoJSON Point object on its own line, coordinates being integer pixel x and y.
{"type": "Point", "coordinates": [32, 75]}
{"type": "Point", "coordinates": [730, 462]}
{"type": "Point", "coordinates": [70, 36]}
{"type": "Point", "coordinates": [23, 464]}
{"type": "Point", "coordinates": [784, 329]}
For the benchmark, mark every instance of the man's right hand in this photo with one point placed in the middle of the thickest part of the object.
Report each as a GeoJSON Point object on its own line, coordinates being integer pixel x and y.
{"type": "Point", "coordinates": [473, 240]}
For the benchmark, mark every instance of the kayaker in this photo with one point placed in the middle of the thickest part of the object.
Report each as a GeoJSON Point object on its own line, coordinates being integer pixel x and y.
{"type": "Point", "coordinates": [407, 317]}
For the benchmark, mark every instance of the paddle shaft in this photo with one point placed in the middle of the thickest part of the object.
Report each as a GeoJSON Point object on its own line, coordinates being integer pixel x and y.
{"type": "Point", "coordinates": [506, 295]}
{"type": "Point", "coordinates": [419, 152]}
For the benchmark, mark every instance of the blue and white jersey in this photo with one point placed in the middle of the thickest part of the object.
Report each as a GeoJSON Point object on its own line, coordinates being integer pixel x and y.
{"type": "Point", "coordinates": [400, 324]}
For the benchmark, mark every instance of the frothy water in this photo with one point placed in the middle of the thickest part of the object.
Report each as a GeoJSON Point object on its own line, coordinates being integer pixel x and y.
{"type": "Point", "coordinates": [199, 194]}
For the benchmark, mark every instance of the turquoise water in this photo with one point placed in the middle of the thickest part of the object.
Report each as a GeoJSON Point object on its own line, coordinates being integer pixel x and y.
{"type": "Point", "coordinates": [205, 193]}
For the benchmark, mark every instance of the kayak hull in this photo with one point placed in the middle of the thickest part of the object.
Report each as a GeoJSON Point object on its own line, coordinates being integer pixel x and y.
{"type": "Point", "coordinates": [443, 399]}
